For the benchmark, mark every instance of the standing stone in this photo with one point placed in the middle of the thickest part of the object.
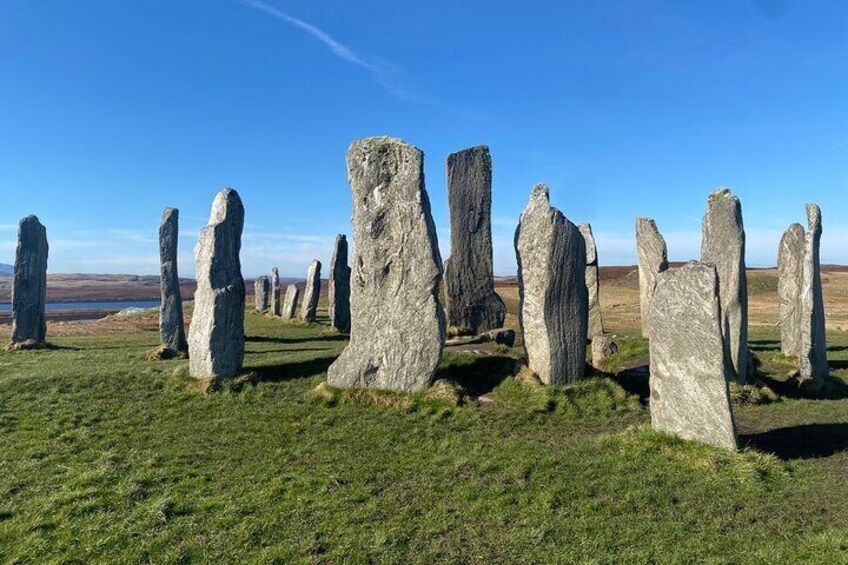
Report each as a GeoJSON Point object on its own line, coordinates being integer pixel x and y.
{"type": "Point", "coordinates": [603, 347]}
{"type": "Point", "coordinates": [653, 260]}
{"type": "Point", "coordinates": [338, 287]}
{"type": "Point", "coordinates": [723, 245]}
{"type": "Point", "coordinates": [290, 303]}
{"type": "Point", "coordinates": [596, 325]}
{"type": "Point", "coordinates": [171, 328]}
{"type": "Point", "coordinates": [470, 299]}
{"type": "Point", "coordinates": [216, 334]}
{"type": "Point", "coordinates": [689, 372]}
{"type": "Point", "coordinates": [790, 259]}
{"type": "Point", "coordinates": [554, 306]}
{"type": "Point", "coordinates": [262, 290]}
{"type": "Point", "coordinates": [275, 292]}
{"type": "Point", "coordinates": [813, 350]}
{"type": "Point", "coordinates": [29, 284]}
{"type": "Point", "coordinates": [397, 323]}
{"type": "Point", "coordinates": [312, 291]}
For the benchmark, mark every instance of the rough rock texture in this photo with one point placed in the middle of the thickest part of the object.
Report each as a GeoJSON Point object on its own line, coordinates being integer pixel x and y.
{"type": "Point", "coordinates": [261, 291]}
{"type": "Point", "coordinates": [554, 307]}
{"type": "Point", "coordinates": [397, 323]}
{"type": "Point", "coordinates": [790, 258]}
{"type": "Point", "coordinates": [312, 291]}
{"type": "Point", "coordinates": [812, 356]}
{"type": "Point", "coordinates": [171, 328]}
{"type": "Point", "coordinates": [289, 308]}
{"type": "Point", "coordinates": [502, 336]}
{"type": "Point", "coordinates": [275, 292]}
{"type": "Point", "coordinates": [596, 325]}
{"type": "Point", "coordinates": [689, 372]}
{"type": "Point", "coordinates": [470, 298]}
{"type": "Point", "coordinates": [29, 283]}
{"type": "Point", "coordinates": [603, 347]}
{"type": "Point", "coordinates": [653, 260]}
{"type": "Point", "coordinates": [723, 245]}
{"type": "Point", "coordinates": [338, 287]}
{"type": "Point", "coordinates": [216, 334]}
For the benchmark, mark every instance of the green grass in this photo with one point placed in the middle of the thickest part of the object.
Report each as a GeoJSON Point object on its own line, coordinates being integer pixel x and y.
{"type": "Point", "coordinates": [108, 458]}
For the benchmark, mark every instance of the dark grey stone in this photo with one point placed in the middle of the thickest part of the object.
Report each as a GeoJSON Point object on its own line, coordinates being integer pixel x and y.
{"type": "Point", "coordinates": [338, 286]}
{"type": "Point", "coordinates": [262, 291]}
{"type": "Point", "coordinates": [275, 292]}
{"type": "Point", "coordinates": [29, 283]}
{"type": "Point", "coordinates": [311, 293]}
{"type": "Point", "coordinates": [171, 328]}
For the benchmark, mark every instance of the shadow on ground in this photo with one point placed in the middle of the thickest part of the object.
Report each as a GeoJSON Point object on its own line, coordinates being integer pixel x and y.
{"type": "Point", "coordinates": [282, 340]}
{"type": "Point", "coordinates": [807, 441]}
{"type": "Point", "coordinates": [480, 376]}
{"type": "Point", "coordinates": [293, 370]}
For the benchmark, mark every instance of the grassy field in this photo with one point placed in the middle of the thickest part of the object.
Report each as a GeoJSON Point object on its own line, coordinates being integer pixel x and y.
{"type": "Point", "coordinates": [109, 458]}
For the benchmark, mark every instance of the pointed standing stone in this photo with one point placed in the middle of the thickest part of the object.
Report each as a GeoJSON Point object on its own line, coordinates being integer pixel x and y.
{"type": "Point", "coordinates": [596, 325]}
{"type": "Point", "coordinates": [689, 372]}
{"type": "Point", "coordinates": [397, 323]}
{"type": "Point", "coordinates": [171, 328]}
{"type": "Point", "coordinates": [290, 303]}
{"type": "Point", "coordinates": [653, 260]}
{"type": "Point", "coordinates": [275, 292]}
{"type": "Point", "coordinates": [262, 290]}
{"type": "Point", "coordinates": [216, 334]}
{"type": "Point", "coordinates": [29, 284]}
{"type": "Point", "coordinates": [470, 299]}
{"type": "Point", "coordinates": [813, 350]}
{"type": "Point", "coordinates": [338, 287]}
{"type": "Point", "coordinates": [554, 306]}
{"type": "Point", "coordinates": [312, 291]}
{"type": "Point", "coordinates": [790, 259]}
{"type": "Point", "coordinates": [723, 245]}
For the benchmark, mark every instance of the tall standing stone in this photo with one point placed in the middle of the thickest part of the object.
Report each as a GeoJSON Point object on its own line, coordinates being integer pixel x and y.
{"type": "Point", "coordinates": [397, 323]}
{"type": "Point", "coordinates": [470, 299]}
{"type": "Point", "coordinates": [29, 283]}
{"type": "Point", "coordinates": [309, 309]}
{"type": "Point", "coordinates": [554, 306]}
{"type": "Point", "coordinates": [171, 328]}
{"type": "Point", "coordinates": [289, 308]}
{"type": "Point", "coordinates": [338, 287]}
{"type": "Point", "coordinates": [216, 333]}
{"type": "Point", "coordinates": [275, 292]}
{"type": "Point", "coordinates": [790, 259]}
{"type": "Point", "coordinates": [813, 350]}
{"type": "Point", "coordinates": [653, 260]}
{"type": "Point", "coordinates": [723, 245]}
{"type": "Point", "coordinates": [689, 372]}
{"type": "Point", "coordinates": [262, 291]}
{"type": "Point", "coordinates": [596, 325]}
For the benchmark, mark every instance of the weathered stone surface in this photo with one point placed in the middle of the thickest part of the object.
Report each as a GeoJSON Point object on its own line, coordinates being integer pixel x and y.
{"type": "Point", "coordinates": [275, 292]}
{"type": "Point", "coordinates": [216, 334]}
{"type": "Point", "coordinates": [262, 291]}
{"type": "Point", "coordinates": [289, 308]}
{"type": "Point", "coordinates": [502, 336]}
{"type": "Point", "coordinates": [603, 347]}
{"type": "Point", "coordinates": [29, 283]}
{"type": "Point", "coordinates": [171, 328]}
{"type": "Point", "coordinates": [596, 325]}
{"type": "Point", "coordinates": [653, 260]}
{"type": "Point", "coordinates": [397, 323]}
{"type": "Point", "coordinates": [689, 372]}
{"type": "Point", "coordinates": [723, 245]}
{"type": "Point", "coordinates": [554, 307]}
{"type": "Point", "coordinates": [812, 356]}
{"type": "Point", "coordinates": [338, 286]}
{"type": "Point", "coordinates": [311, 292]}
{"type": "Point", "coordinates": [790, 258]}
{"type": "Point", "coordinates": [470, 298]}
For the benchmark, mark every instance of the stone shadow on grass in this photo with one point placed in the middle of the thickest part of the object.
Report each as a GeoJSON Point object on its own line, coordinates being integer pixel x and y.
{"type": "Point", "coordinates": [809, 441]}
{"type": "Point", "coordinates": [271, 339]}
{"type": "Point", "coordinates": [764, 344]}
{"type": "Point", "coordinates": [830, 388]}
{"type": "Point", "coordinates": [292, 370]}
{"type": "Point", "coordinates": [635, 380]}
{"type": "Point", "coordinates": [480, 376]}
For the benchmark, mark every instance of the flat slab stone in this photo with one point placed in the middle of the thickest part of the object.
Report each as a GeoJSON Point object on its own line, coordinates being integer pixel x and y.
{"type": "Point", "coordinates": [171, 328]}
{"type": "Point", "coordinates": [813, 343]}
{"type": "Point", "coordinates": [290, 303]}
{"type": "Point", "coordinates": [653, 260]}
{"type": "Point", "coordinates": [338, 286]}
{"type": "Point", "coordinates": [790, 259]}
{"type": "Point", "coordinates": [29, 283]}
{"type": "Point", "coordinates": [596, 324]}
{"type": "Point", "coordinates": [262, 291]}
{"type": "Point", "coordinates": [309, 309]}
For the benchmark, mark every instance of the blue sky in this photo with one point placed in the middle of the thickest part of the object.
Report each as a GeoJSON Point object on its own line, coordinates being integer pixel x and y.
{"type": "Point", "coordinates": [112, 110]}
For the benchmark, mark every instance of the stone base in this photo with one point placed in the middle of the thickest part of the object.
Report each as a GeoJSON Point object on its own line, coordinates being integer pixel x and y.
{"type": "Point", "coordinates": [163, 353]}
{"type": "Point", "coordinates": [28, 344]}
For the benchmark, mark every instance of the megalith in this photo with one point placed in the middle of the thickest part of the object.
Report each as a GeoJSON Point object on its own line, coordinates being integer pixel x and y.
{"type": "Point", "coordinates": [596, 325]}
{"type": "Point", "coordinates": [689, 373]}
{"type": "Point", "coordinates": [29, 284]}
{"type": "Point", "coordinates": [338, 286]}
{"type": "Point", "coordinates": [216, 333]}
{"type": "Point", "coordinates": [554, 307]}
{"type": "Point", "coordinates": [275, 291]}
{"type": "Point", "coordinates": [653, 260]}
{"type": "Point", "coordinates": [262, 290]}
{"type": "Point", "coordinates": [470, 299]}
{"type": "Point", "coordinates": [790, 259]}
{"type": "Point", "coordinates": [289, 309]}
{"type": "Point", "coordinates": [397, 329]}
{"type": "Point", "coordinates": [312, 291]}
{"type": "Point", "coordinates": [171, 328]}
{"type": "Point", "coordinates": [812, 356]}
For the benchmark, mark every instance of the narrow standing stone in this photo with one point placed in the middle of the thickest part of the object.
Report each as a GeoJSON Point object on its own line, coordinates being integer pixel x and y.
{"type": "Point", "coordinates": [790, 259]}
{"type": "Point", "coordinates": [397, 323]}
{"type": "Point", "coordinates": [29, 283]}
{"type": "Point", "coordinates": [216, 334]}
{"type": "Point", "coordinates": [338, 287]}
{"type": "Point", "coordinates": [689, 372]}
{"type": "Point", "coordinates": [171, 328]}
{"type": "Point", "coordinates": [290, 303]}
{"type": "Point", "coordinates": [262, 290]}
{"type": "Point", "coordinates": [554, 306]}
{"type": "Point", "coordinates": [311, 293]}
{"type": "Point", "coordinates": [723, 245]}
{"type": "Point", "coordinates": [653, 260]}
{"type": "Point", "coordinates": [470, 299]}
{"type": "Point", "coordinates": [813, 351]}
{"type": "Point", "coordinates": [275, 292]}
{"type": "Point", "coordinates": [596, 325]}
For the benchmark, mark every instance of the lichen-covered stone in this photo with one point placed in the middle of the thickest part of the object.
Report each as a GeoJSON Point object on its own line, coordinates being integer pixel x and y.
{"type": "Point", "coordinates": [338, 286]}
{"type": "Point", "coordinates": [653, 260]}
{"type": "Point", "coordinates": [29, 283]}
{"type": "Point", "coordinates": [289, 308]}
{"type": "Point", "coordinates": [312, 290]}
{"type": "Point", "coordinates": [262, 291]}
{"type": "Point", "coordinates": [397, 323]}
{"type": "Point", "coordinates": [554, 306]}
{"type": "Point", "coordinates": [603, 347]}
{"type": "Point", "coordinates": [790, 259]}
{"type": "Point", "coordinates": [171, 328]}
{"type": "Point", "coordinates": [275, 292]}
{"type": "Point", "coordinates": [812, 356]}
{"type": "Point", "coordinates": [596, 325]}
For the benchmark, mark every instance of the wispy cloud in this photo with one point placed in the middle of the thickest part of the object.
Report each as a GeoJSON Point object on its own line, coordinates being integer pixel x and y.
{"type": "Point", "coordinates": [840, 146]}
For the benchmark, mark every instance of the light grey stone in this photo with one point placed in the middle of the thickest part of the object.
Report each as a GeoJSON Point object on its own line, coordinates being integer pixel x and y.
{"type": "Point", "coordinates": [603, 347]}
{"type": "Point", "coordinates": [171, 328]}
{"type": "Point", "coordinates": [312, 291]}
{"type": "Point", "coordinates": [262, 291]}
{"type": "Point", "coordinates": [812, 356]}
{"type": "Point", "coordinates": [275, 292]}
{"type": "Point", "coordinates": [290, 303]}
{"type": "Point", "coordinates": [29, 283]}
{"type": "Point", "coordinates": [554, 305]}
{"type": "Point", "coordinates": [470, 298]}
{"type": "Point", "coordinates": [397, 323]}
{"type": "Point", "coordinates": [689, 372]}
{"type": "Point", "coordinates": [653, 260]}
{"type": "Point", "coordinates": [790, 259]}
{"type": "Point", "coordinates": [216, 333]}
{"type": "Point", "coordinates": [596, 324]}
{"type": "Point", "coordinates": [723, 245]}
{"type": "Point", "coordinates": [338, 286]}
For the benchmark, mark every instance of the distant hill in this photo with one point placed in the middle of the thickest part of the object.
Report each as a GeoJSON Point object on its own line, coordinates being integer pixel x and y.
{"type": "Point", "coordinates": [6, 269]}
